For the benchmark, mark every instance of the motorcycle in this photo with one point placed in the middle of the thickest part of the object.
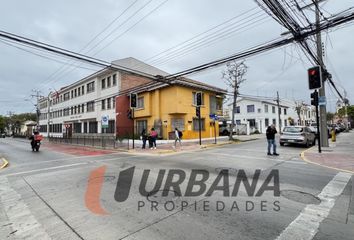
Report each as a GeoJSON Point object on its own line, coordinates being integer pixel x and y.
{"type": "Point", "coordinates": [35, 145]}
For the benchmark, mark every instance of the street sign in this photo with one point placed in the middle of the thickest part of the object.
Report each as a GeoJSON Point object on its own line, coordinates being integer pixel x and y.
{"type": "Point", "coordinates": [322, 101]}
{"type": "Point", "coordinates": [213, 116]}
{"type": "Point", "coordinates": [104, 121]}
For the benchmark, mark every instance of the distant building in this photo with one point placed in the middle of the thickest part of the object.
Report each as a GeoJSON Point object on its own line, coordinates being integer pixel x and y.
{"type": "Point", "coordinates": [260, 112]}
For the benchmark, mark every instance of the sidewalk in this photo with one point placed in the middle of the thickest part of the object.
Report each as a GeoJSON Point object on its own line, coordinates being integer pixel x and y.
{"type": "Point", "coordinates": [339, 155]}
{"type": "Point", "coordinates": [166, 146]}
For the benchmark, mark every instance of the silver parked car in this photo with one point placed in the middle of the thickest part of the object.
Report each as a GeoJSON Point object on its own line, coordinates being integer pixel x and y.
{"type": "Point", "coordinates": [298, 135]}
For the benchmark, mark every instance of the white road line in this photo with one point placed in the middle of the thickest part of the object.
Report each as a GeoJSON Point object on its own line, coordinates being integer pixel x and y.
{"type": "Point", "coordinates": [45, 169]}
{"type": "Point", "coordinates": [306, 225]}
{"type": "Point", "coordinates": [24, 224]}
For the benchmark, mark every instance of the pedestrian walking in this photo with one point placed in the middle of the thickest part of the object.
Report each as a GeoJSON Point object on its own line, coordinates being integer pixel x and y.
{"type": "Point", "coordinates": [153, 137]}
{"type": "Point", "coordinates": [178, 136]}
{"type": "Point", "coordinates": [144, 138]}
{"type": "Point", "coordinates": [270, 133]}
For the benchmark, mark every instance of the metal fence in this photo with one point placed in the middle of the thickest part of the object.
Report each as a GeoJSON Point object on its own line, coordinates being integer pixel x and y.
{"type": "Point", "coordinates": [105, 142]}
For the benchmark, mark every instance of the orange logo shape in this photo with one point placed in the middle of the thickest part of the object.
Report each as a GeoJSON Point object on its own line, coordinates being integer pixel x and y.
{"type": "Point", "coordinates": [93, 191]}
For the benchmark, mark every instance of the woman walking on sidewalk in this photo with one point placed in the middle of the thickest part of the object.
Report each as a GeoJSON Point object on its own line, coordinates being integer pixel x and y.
{"type": "Point", "coordinates": [153, 137]}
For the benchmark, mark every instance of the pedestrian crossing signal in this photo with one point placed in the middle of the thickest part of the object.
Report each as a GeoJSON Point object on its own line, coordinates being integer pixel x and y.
{"type": "Point", "coordinates": [314, 98]}
{"type": "Point", "coordinates": [198, 96]}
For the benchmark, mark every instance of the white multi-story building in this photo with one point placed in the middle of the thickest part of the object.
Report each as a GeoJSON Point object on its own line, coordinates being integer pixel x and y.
{"type": "Point", "coordinates": [79, 107]}
{"type": "Point", "coordinates": [260, 112]}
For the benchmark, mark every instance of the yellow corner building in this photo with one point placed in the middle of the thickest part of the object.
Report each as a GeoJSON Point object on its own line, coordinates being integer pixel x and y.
{"type": "Point", "coordinates": [169, 106]}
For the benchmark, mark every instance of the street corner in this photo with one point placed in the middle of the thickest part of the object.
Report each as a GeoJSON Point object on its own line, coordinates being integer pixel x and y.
{"type": "Point", "coordinates": [336, 161]}
{"type": "Point", "coordinates": [3, 163]}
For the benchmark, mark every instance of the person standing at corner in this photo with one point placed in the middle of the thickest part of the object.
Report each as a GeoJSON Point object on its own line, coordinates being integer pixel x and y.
{"type": "Point", "coordinates": [144, 138]}
{"type": "Point", "coordinates": [270, 133]}
{"type": "Point", "coordinates": [153, 136]}
{"type": "Point", "coordinates": [178, 136]}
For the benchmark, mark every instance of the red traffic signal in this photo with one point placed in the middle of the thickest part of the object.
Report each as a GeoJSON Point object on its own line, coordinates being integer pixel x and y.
{"type": "Point", "coordinates": [315, 77]}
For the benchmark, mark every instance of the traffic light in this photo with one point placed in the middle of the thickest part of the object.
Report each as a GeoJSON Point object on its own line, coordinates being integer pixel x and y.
{"type": "Point", "coordinates": [133, 100]}
{"type": "Point", "coordinates": [198, 97]}
{"type": "Point", "coordinates": [315, 77]}
{"type": "Point", "coordinates": [129, 114]}
{"type": "Point", "coordinates": [197, 111]}
{"type": "Point", "coordinates": [314, 98]}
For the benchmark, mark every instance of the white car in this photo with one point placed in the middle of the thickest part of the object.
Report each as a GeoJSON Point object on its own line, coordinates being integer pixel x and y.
{"type": "Point", "coordinates": [301, 135]}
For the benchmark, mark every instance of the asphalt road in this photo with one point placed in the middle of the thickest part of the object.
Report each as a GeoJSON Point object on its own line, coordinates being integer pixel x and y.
{"type": "Point", "coordinates": [57, 195]}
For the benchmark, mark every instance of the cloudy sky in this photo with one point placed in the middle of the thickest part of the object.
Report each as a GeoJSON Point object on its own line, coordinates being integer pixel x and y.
{"type": "Point", "coordinates": [169, 34]}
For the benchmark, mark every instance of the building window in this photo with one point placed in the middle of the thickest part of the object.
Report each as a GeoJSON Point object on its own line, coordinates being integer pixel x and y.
{"type": "Point", "coordinates": [83, 90]}
{"type": "Point", "coordinates": [90, 87]}
{"type": "Point", "coordinates": [196, 124]}
{"type": "Point", "coordinates": [266, 108]}
{"type": "Point", "coordinates": [195, 98]}
{"type": "Point", "coordinates": [114, 79]}
{"type": "Point", "coordinates": [259, 110]}
{"type": "Point", "coordinates": [75, 92]}
{"type": "Point", "coordinates": [238, 109]}
{"type": "Point", "coordinates": [140, 103]}
{"type": "Point", "coordinates": [75, 110]}
{"type": "Point", "coordinates": [77, 127]}
{"type": "Point", "coordinates": [238, 122]}
{"type": "Point", "coordinates": [177, 123]}
{"type": "Point", "coordinates": [266, 122]}
{"type": "Point", "coordinates": [85, 127]}
{"type": "Point", "coordinates": [72, 111]}
{"type": "Point", "coordinates": [79, 109]}
{"type": "Point", "coordinates": [66, 96]}
{"type": "Point", "coordinates": [72, 93]}
{"type": "Point", "coordinates": [285, 123]}
{"type": "Point", "coordinates": [103, 104]}
{"type": "Point", "coordinates": [274, 121]}
{"type": "Point", "coordinates": [92, 127]}
{"type": "Point", "coordinates": [252, 122]}
{"type": "Point", "coordinates": [90, 106]}
{"type": "Point", "coordinates": [141, 125]}
{"type": "Point", "coordinates": [103, 83]}
{"type": "Point", "coordinates": [79, 91]}
{"type": "Point", "coordinates": [114, 102]}
{"type": "Point", "coordinates": [285, 112]}
{"type": "Point", "coordinates": [109, 103]}
{"type": "Point", "coordinates": [82, 108]}
{"type": "Point", "coordinates": [273, 109]}
{"type": "Point", "coordinates": [250, 108]}
{"type": "Point", "coordinates": [109, 81]}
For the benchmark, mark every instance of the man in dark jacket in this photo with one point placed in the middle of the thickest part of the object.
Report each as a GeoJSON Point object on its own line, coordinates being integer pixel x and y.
{"type": "Point", "coordinates": [271, 131]}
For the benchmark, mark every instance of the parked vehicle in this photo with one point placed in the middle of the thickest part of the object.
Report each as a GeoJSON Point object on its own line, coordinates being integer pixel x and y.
{"type": "Point", "coordinates": [2, 135]}
{"type": "Point", "coordinates": [301, 135]}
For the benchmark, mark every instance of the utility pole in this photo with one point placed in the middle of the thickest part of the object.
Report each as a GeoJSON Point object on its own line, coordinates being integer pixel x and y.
{"type": "Point", "coordinates": [48, 114]}
{"type": "Point", "coordinates": [322, 91]}
{"type": "Point", "coordinates": [346, 101]}
{"type": "Point", "coordinates": [38, 113]}
{"type": "Point", "coordinates": [279, 112]}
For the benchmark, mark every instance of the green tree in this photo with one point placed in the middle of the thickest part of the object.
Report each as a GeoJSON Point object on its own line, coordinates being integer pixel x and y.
{"type": "Point", "coordinates": [350, 110]}
{"type": "Point", "coordinates": [2, 124]}
{"type": "Point", "coordinates": [330, 116]}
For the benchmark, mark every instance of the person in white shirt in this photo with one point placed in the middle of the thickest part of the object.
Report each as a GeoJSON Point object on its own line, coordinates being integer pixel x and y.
{"type": "Point", "coordinates": [178, 136]}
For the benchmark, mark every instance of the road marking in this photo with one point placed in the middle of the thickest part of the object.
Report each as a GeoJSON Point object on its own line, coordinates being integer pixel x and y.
{"type": "Point", "coordinates": [306, 225]}
{"type": "Point", "coordinates": [45, 169]}
{"type": "Point", "coordinates": [5, 163]}
{"type": "Point", "coordinates": [302, 155]}
{"type": "Point", "coordinates": [18, 213]}
{"type": "Point", "coordinates": [275, 159]}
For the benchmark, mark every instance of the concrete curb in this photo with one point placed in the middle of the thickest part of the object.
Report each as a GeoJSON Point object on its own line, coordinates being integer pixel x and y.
{"type": "Point", "coordinates": [5, 163]}
{"type": "Point", "coordinates": [302, 156]}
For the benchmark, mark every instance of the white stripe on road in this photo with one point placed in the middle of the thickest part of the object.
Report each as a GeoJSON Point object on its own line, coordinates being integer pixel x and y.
{"type": "Point", "coordinates": [276, 159]}
{"type": "Point", "coordinates": [45, 169]}
{"type": "Point", "coordinates": [306, 225]}
{"type": "Point", "coordinates": [23, 223]}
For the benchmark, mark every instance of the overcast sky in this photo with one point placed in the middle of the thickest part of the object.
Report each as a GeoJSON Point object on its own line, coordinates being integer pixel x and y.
{"type": "Point", "coordinates": [73, 24]}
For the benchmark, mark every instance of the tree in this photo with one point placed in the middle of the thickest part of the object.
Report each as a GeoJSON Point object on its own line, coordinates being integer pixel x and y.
{"type": "Point", "coordinates": [330, 116]}
{"type": "Point", "coordinates": [234, 75]}
{"type": "Point", "coordinates": [350, 110]}
{"type": "Point", "coordinates": [2, 124]}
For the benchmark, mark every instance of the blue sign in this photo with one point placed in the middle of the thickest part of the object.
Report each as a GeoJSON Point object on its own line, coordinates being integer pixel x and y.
{"type": "Point", "coordinates": [213, 116]}
{"type": "Point", "coordinates": [104, 121]}
{"type": "Point", "coordinates": [322, 100]}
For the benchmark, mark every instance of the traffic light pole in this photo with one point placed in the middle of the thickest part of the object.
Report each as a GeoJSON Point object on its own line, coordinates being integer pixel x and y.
{"type": "Point", "coordinates": [318, 127]}
{"type": "Point", "coordinates": [322, 91]}
{"type": "Point", "coordinates": [200, 127]}
{"type": "Point", "coordinates": [133, 127]}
